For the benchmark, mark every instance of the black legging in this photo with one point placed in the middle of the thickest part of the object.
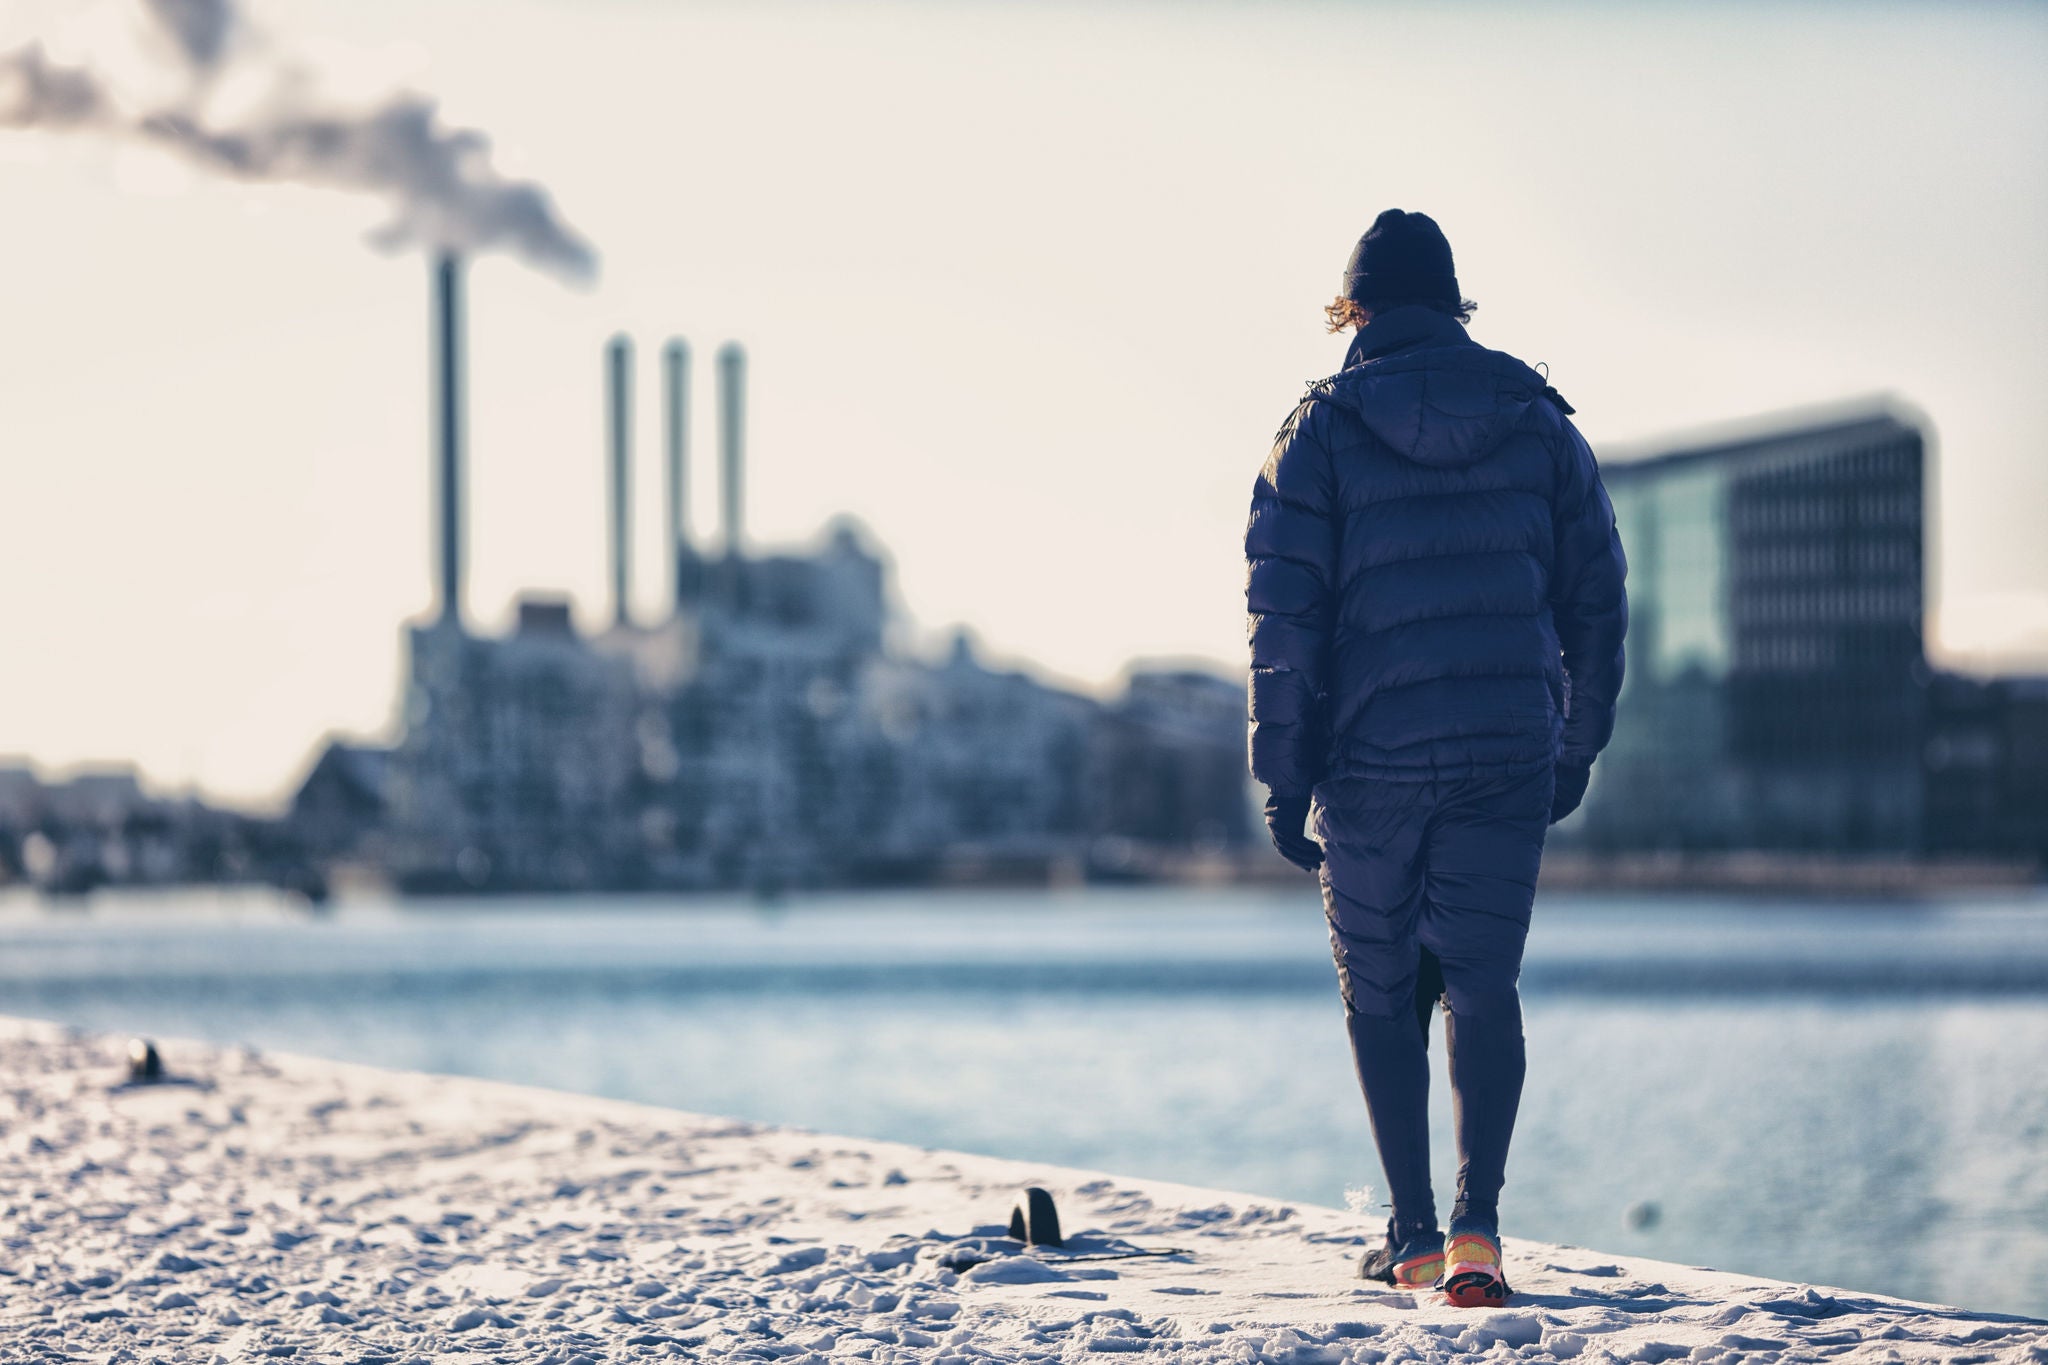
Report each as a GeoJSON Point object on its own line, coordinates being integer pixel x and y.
{"type": "Point", "coordinates": [1428, 888]}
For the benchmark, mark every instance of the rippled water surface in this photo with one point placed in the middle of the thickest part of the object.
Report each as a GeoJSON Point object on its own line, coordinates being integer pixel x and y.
{"type": "Point", "coordinates": [1854, 1094]}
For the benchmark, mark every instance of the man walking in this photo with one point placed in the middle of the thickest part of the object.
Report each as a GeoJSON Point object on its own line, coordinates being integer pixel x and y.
{"type": "Point", "coordinates": [1436, 615]}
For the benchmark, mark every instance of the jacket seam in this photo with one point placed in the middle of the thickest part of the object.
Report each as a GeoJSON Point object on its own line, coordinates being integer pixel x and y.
{"type": "Point", "coordinates": [1449, 677]}
{"type": "Point", "coordinates": [1450, 493]}
{"type": "Point", "coordinates": [1446, 554]}
{"type": "Point", "coordinates": [1446, 616]}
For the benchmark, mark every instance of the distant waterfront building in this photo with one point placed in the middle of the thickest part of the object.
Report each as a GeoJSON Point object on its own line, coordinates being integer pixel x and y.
{"type": "Point", "coordinates": [341, 799]}
{"type": "Point", "coordinates": [517, 766]}
{"type": "Point", "coordinates": [1174, 745]}
{"type": "Point", "coordinates": [768, 735]}
{"type": "Point", "coordinates": [1776, 695]}
{"type": "Point", "coordinates": [1987, 766]}
{"type": "Point", "coordinates": [101, 828]}
{"type": "Point", "coordinates": [989, 771]}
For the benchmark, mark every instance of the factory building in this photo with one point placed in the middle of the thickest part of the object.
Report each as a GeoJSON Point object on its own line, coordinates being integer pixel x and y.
{"type": "Point", "coordinates": [517, 765]}
{"type": "Point", "coordinates": [764, 733]}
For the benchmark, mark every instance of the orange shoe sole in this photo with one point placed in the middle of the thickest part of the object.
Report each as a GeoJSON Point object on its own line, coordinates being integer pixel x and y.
{"type": "Point", "coordinates": [1420, 1273]}
{"type": "Point", "coordinates": [1476, 1289]}
{"type": "Point", "coordinates": [1472, 1277]}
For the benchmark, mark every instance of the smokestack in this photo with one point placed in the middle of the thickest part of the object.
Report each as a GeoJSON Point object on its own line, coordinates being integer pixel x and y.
{"type": "Point", "coordinates": [676, 375]}
{"type": "Point", "coordinates": [619, 369]}
{"type": "Point", "coordinates": [447, 435]}
{"type": "Point", "coordinates": [732, 392]}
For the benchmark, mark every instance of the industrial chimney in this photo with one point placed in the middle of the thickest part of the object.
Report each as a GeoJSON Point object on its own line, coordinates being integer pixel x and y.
{"type": "Point", "coordinates": [447, 433]}
{"type": "Point", "coordinates": [675, 369]}
{"type": "Point", "coordinates": [732, 390]}
{"type": "Point", "coordinates": [619, 372]}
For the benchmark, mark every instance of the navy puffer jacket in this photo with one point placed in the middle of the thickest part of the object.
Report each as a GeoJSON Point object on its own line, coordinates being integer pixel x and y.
{"type": "Point", "coordinates": [1435, 581]}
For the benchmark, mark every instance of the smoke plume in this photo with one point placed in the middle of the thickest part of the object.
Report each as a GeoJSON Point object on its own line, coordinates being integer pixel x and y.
{"type": "Point", "coordinates": [200, 28]}
{"type": "Point", "coordinates": [36, 94]}
{"type": "Point", "coordinates": [443, 191]}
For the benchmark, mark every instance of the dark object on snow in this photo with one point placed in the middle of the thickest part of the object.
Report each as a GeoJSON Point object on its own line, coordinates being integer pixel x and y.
{"type": "Point", "coordinates": [1571, 789]}
{"type": "Point", "coordinates": [1036, 1221]}
{"type": "Point", "coordinates": [1402, 258]}
{"type": "Point", "coordinates": [144, 1064]}
{"type": "Point", "coordinates": [1287, 822]}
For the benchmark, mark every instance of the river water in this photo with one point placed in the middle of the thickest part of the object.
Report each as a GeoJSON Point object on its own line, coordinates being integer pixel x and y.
{"type": "Point", "coordinates": [1842, 1093]}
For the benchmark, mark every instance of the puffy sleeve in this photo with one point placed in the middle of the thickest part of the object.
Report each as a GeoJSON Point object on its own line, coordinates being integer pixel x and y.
{"type": "Point", "coordinates": [1587, 601]}
{"type": "Point", "coordinates": [1290, 546]}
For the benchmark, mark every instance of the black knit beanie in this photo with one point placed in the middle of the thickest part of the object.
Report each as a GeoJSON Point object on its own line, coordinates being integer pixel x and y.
{"type": "Point", "coordinates": [1403, 258]}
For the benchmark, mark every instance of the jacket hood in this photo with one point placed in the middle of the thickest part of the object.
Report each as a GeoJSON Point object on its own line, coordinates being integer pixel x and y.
{"type": "Point", "coordinates": [1431, 393]}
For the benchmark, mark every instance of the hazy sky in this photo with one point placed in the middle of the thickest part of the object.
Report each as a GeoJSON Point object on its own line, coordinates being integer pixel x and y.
{"type": "Point", "coordinates": [1027, 289]}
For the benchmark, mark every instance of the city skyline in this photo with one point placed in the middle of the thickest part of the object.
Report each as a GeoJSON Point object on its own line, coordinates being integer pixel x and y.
{"type": "Point", "coordinates": [1067, 350]}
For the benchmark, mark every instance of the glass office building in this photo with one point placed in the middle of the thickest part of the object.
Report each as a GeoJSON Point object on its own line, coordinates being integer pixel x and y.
{"type": "Point", "coordinates": [1776, 687]}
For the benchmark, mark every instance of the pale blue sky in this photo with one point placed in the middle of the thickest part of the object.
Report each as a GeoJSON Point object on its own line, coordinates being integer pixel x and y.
{"type": "Point", "coordinates": [1027, 289]}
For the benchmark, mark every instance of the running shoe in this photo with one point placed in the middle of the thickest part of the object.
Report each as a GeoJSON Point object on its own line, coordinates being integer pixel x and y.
{"type": "Point", "coordinates": [1411, 1262]}
{"type": "Point", "coordinates": [1472, 1270]}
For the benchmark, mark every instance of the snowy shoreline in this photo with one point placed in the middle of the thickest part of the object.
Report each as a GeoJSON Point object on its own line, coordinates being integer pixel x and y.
{"type": "Point", "coordinates": [262, 1207]}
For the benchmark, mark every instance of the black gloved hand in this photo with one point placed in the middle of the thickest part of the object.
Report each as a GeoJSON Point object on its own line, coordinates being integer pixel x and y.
{"type": "Point", "coordinates": [1286, 817]}
{"type": "Point", "coordinates": [1571, 789]}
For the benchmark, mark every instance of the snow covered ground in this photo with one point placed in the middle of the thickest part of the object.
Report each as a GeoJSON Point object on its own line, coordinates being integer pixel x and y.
{"type": "Point", "coordinates": [259, 1207]}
